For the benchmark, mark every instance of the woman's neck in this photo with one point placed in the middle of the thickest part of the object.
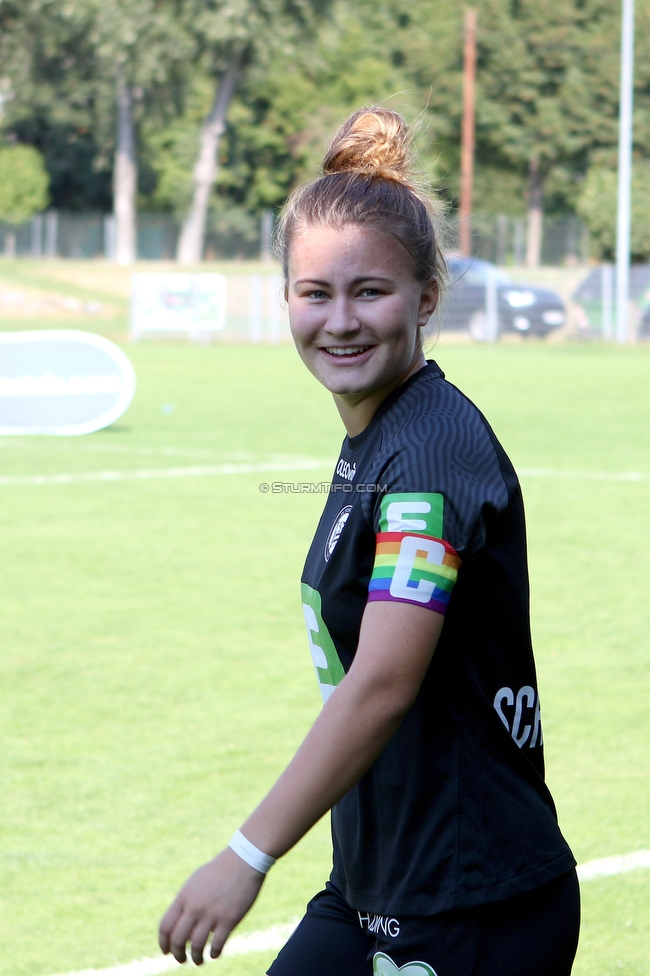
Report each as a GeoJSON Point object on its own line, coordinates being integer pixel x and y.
{"type": "Point", "coordinates": [358, 409]}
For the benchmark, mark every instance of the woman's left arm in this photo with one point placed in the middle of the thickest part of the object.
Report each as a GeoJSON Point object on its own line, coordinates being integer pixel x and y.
{"type": "Point", "coordinates": [396, 644]}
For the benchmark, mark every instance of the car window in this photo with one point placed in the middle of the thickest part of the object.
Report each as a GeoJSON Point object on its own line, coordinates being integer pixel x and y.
{"type": "Point", "coordinates": [474, 274]}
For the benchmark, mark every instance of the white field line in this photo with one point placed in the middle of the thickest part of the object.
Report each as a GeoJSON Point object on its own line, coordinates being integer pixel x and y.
{"type": "Point", "coordinates": [583, 475]}
{"type": "Point", "coordinates": [276, 936]}
{"type": "Point", "coordinates": [261, 467]}
{"type": "Point", "coordinates": [239, 945]}
{"type": "Point", "coordinates": [92, 447]}
{"type": "Point", "coordinates": [605, 867]}
{"type": "Point", "coordinates": [147, 474]}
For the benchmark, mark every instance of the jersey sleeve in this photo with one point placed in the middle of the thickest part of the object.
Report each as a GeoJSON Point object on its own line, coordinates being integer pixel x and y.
{"type": "Point", "coordinates": [430, 512]}
{"type": "Point", "coordinates": [413, 563]}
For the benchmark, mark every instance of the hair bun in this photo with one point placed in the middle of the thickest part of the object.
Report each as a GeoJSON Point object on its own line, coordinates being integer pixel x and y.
{"type": "Point", "coordinates": [373, 142]}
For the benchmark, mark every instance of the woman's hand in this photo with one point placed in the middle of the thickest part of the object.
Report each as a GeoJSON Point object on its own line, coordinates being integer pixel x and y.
{"type": "Point", "coordinates": [213, 899]}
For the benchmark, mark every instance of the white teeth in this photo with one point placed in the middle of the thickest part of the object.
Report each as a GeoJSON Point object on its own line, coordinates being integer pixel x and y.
{"type": "Point", "coordinates": [346, 350]}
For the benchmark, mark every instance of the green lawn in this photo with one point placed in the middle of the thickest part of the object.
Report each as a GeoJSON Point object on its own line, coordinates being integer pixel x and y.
{"type": "Point", "coordinates": [155, 675]}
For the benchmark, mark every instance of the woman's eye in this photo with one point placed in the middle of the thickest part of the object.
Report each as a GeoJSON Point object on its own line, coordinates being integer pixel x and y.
{"type": "Point", "coordinates": [318, 295]}
{"type": "Point", "coordinates": [369, 292]}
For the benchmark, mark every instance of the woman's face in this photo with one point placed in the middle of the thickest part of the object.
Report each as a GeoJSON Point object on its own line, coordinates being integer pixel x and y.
{"type": "Point", "coordinates": [356, 308]}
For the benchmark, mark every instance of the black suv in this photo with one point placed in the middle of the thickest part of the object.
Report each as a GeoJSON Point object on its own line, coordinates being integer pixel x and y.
{"type": "Point", "coordinates": [525, 309]}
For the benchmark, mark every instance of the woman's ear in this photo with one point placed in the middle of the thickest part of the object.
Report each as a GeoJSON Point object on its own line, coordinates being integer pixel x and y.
{"type": "Point", "coordinates": [428, 301]}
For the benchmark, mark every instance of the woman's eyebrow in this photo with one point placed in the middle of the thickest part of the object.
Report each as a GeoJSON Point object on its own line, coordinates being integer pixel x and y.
{"type": "Point", "coordinates": [371, 277]}
{"type": "Point", "coordinates": [355, 281]}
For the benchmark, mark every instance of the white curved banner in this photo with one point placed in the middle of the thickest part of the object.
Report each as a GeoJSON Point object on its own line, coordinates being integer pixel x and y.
{"type": "Point", "coordinates": [61, 381]}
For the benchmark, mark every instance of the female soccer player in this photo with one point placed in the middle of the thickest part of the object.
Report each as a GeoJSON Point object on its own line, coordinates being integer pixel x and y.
{"type": "Point", "coordinates": [448, 860]}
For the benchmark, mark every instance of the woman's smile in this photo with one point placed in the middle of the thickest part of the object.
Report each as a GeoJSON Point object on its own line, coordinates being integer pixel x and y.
{"type": "Point", "coordinates": [347, 351]}
{"type": "Point", "coordinates": [347, 355]}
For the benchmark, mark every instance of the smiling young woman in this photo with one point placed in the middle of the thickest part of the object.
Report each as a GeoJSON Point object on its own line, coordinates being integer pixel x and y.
{"type": "Point", "coordinates": [448, 860]}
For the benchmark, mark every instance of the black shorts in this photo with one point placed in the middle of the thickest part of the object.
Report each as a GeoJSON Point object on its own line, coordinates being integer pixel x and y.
{"type": "Point", "coordinates": [532, 934]}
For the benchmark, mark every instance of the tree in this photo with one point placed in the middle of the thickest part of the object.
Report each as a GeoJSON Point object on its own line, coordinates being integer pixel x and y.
{"type": "Point", "coordinates": [23, 187]}
{"type": "Point", "coordinates": [190, 243]}
{"type": "Point", "coordinates": [100, 65]}
{"type": "Point", "coordinates": [548, 92]}
{"type": "Point", "coordinates": [232, 35]}
{"type": "Point", "coordinates": [597, 206]}
{"type": "Point", "coordinates": [130, 89]}
{"type": "Point", "coordinates": [285, 108]}
{"type": "Point", "coordinates": [23, 184]}
{"type": "Point", "coordinates": [141, 50]}
{"type": "Point", "coordinates": [47, 95]}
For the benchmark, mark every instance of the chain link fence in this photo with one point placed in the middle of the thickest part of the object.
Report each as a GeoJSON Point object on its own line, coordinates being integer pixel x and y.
{"type": "Point", "coordinates": [67, 234]}
{"type": "Point", "coordinates": [501, 239]}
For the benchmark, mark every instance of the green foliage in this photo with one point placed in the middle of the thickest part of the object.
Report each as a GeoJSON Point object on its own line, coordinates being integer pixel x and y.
{"type": "Point", "coordinates": [536, 98]}
{"type": "Point", "coordinates": [281, 118]}
{"type": "Point", "coordinates": [232, 232]}
{"type": "Point", "coordinates": [23, 184]}
{"type": "Point", "coordinates": [499, 190]}
{"type": "Point", "coordinates": [597, 206]}
{"type": "Point", "coordinates": [78, 180]}
{"type": "Point", "coordinates": [547, 89]}
{"type": "Point", "coordinates": [170, 150]}
{"type": "Point", "coordinates": [287, 107]}
{"type": "Point", "coordinates": [47, 95]}
{"type": "Point", "coordinates": [60, 61]}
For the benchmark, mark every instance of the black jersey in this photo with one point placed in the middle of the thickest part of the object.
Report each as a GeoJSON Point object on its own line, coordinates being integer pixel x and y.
{"type": "Point", "coordinates": [425, 507]}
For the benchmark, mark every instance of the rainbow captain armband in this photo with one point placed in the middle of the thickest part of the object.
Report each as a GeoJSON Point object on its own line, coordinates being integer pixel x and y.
{"type": "Point", "coordinates": [413, 564]}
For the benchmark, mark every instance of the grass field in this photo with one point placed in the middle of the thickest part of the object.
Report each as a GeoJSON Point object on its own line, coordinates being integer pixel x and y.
{"type": "Point", "coordinates": [155, 672]}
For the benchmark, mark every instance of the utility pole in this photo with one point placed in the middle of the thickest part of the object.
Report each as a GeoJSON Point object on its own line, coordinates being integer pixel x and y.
{"type": "Point", "coordinates": [467, 139]}
{"type": "Point", "coordinates": [624, 172]}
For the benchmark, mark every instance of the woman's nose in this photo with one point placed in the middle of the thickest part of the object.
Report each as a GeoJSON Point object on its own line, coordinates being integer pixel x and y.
{"type": "Point", "coordinates": [342, 319]}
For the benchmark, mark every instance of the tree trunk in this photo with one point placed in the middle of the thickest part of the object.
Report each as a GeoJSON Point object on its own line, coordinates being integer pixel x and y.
{"type": "Point", "coordinates": [535, 215]}
{"type": "Point", "coordinates": [190, 242]}
{"type": "Point", "coordinates": [125, 178]}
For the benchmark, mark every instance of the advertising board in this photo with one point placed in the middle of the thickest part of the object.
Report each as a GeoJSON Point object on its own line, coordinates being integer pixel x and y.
{"type": "Point", "coordinates": [61, 381]}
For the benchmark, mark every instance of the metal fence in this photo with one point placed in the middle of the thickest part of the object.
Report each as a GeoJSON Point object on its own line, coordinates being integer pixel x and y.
{"type": "Point", "coordinates": [502, 240]}
{"type": "Point", "coordinates": [68, 234]}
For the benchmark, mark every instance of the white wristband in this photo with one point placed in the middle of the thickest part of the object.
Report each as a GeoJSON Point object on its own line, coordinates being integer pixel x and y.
{"type": "Point", "coordinates": [251, 854]}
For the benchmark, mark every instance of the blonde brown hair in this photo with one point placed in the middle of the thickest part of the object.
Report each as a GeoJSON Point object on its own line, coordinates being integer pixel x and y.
{"type": "Point", "coordinates": [369, 179]}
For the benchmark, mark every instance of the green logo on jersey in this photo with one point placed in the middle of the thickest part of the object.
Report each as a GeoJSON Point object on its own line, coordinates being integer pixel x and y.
{"type": "Point", "coordinates": [329, 669]}
{"type": "Point", "coordinates": [410, 511]}
{"type": "Point", "coordinates": [383, 965]}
